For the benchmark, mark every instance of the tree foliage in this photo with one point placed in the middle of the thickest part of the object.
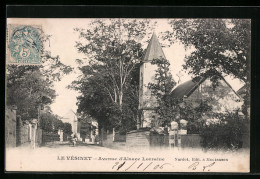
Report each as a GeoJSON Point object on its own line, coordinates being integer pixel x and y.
{"type": "Point", "coordinates": [67, 128]}
{"type": "Point", "coordinates": [227, 133]}
{"type": "Point", "coordinates": [221, 46]}
{"type": "Point", "coordinates": [51, 123]}
{"type": "Point", "coordinates": [96, 102]}
{"type": "Point", "coordinates": [113, 51]}
{"type": "Point", "coordinates": [28, 87]}
{"type": "Point", "coordinates": [193, 115]}
{"type": "Point", "coordinates": [47, 122]}
{"type": "Point", "coordinates": [109, 81]}
{"type": "Point", "coordinates": [161, 88]}
{"type": "Point", "coordinates": [173, 109]}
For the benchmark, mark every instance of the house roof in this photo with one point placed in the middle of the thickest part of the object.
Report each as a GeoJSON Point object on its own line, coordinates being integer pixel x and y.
{"type": "Point", "coordinates": [186, 88]}
{"type": "Point", "coordinates": [154, 50]}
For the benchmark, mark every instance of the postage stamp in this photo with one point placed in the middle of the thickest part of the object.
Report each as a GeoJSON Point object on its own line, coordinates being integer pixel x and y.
{"type": "Point", "coordinates": [24, 44]}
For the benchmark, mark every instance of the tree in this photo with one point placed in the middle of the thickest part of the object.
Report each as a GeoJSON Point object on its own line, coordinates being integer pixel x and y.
{"type": "Point", "coordinates": [161, 88]}
{"type": "Point", "coordinates": [47, 122]}
{"type": "Point", "coordinates": [28, 87]}
{"type": "Point", "coordinates": [221, 45]}
{"type": "Point", "coordinates": [58, 124]}
{"type": "Point", "coordinates": [50, 122]}
{"type": "Point", "coordinates": [193, 114]}
{"type": "Point", "coordinates": [113, 55]}
{"type": "Point", "coordinates": [113, 51]}
{"type": "Point", "coordinates": [169, 108]}
{"type": "Point", "coordinates": [95, 101]}
{"type": "Point", "coordinates": [67, 129]}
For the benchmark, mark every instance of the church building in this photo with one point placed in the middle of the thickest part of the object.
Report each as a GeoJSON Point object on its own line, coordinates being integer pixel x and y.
{"type": "Point", "coordinates": [147, 102]}
{"type": "Point", "coordinates": [223, 98]}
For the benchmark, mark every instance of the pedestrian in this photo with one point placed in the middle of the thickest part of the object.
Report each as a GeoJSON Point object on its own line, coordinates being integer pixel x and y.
{"type": "Point", "coordinates": [74, 140]}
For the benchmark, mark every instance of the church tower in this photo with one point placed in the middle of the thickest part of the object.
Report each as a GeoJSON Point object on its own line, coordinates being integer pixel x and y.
{"type": "Point", "coordinates": [147, 102]}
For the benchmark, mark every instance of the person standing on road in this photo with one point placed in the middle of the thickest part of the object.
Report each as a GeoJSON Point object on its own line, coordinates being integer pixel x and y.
{"type": "Point", "coordinates": [74, 140]}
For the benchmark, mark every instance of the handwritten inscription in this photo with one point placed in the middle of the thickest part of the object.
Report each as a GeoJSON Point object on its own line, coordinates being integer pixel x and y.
{"type": "Point", "coordinates": [143, 166]}
{"type": "Point", "coordinates": [196, 165]}
{"type": "Point", "coordinates": [152, 164]}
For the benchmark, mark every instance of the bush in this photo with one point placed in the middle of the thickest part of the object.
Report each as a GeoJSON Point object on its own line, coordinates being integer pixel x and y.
{"type": "Point", "coordinates": [194, 127]}
{"type": "Point", "coordinates": [227, 133]}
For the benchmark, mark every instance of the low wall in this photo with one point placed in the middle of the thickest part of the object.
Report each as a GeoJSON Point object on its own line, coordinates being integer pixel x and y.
{"type": "Point", "coordinates": [159, 140]}
{"type": "Point", "coordinates": [138, 139]}
{"type": "Point", "coordinates": [119, 138]}
{"type": "Point", "coordinates": [146, 139]}
{"type": "Point", "coordinates": [190, 140]}
{"type": "Point", "coordinates": [108, 142]}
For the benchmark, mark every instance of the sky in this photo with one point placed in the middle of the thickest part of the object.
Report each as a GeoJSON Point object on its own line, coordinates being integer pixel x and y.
{"type": "Point", "coordinates": [62, 43]}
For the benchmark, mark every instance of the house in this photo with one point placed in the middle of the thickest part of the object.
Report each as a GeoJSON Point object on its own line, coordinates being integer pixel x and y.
{"type": "Point", "coordinates": [221, 99]}
{"type": "Point", "coordinates": [87, 129]}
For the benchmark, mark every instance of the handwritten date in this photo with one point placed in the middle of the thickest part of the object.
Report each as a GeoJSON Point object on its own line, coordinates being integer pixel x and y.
{"type": "Point", "coordinates": [144, 166]}
{"type": "Point", "coordinates": [140, 166]}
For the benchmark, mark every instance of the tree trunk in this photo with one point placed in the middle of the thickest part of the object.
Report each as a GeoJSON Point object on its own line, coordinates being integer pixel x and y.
{"type": "Point", "coordinates": [120, 100]}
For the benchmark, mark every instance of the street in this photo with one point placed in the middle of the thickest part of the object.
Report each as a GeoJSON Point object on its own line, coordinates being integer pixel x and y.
{"type": "Point", "coordinates": [64, 157]}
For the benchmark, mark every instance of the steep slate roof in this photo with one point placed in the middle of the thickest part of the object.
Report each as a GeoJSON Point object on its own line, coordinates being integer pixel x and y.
{"type": "Point", "coordinates": [154, 50]}
{"type": "Point", "coordinates": [186, 88]}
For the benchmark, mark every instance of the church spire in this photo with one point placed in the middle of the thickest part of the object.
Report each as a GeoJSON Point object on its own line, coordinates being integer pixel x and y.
{"type": "Point", "coordinates": [154, 49]}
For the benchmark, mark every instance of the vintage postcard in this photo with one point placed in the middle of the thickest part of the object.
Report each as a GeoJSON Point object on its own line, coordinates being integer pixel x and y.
{"type": "Point", "coordinates": [127, 95]}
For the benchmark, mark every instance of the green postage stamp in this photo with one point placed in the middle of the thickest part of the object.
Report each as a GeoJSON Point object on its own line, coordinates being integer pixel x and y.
{"type": "Point", "coordinates": [24, 44]}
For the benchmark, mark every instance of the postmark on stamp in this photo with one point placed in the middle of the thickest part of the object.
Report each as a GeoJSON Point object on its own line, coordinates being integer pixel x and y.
{"type": "Point", "coordinates": [24, 44]}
